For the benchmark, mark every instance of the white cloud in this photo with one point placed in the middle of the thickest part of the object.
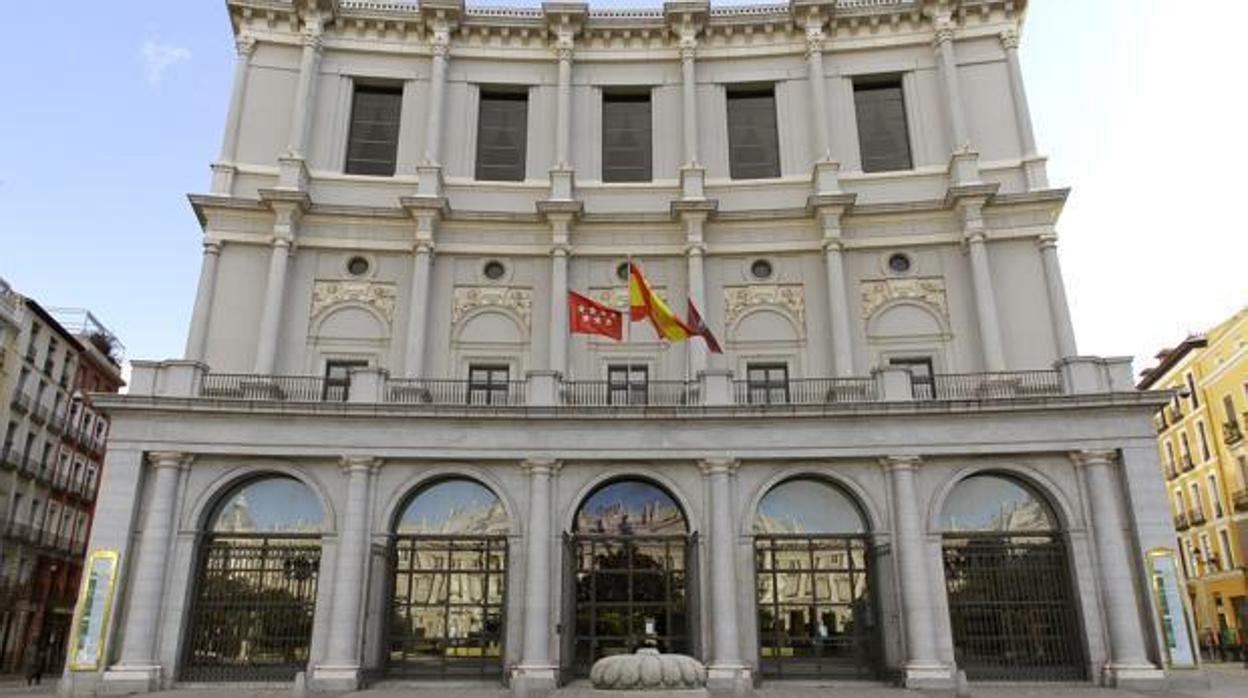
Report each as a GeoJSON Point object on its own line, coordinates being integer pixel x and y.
{"type": "Point", "coordinates": [157, 57]}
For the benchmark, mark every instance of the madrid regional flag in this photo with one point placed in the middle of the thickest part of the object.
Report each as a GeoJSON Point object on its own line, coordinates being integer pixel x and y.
{"type": "Point", "coordinates": [587, 316]}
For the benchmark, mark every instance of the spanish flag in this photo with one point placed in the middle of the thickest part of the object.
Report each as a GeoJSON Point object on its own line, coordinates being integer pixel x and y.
{"type": "Point", "coordinates": [642, 304]}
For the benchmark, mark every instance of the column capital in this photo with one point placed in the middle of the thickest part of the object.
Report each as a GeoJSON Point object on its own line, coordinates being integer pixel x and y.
{"type": "Point", "coordinates": [1046, 240]}
{"type": "Point", "coordinates": [424, 247]}
{"type": "Point", "coordinates": [891, 463]}
{"type": "Point", "coordinates": [311, 38]}
{"type": "Point", "coordinates": [695, 249]}
{"type": "Point", "coordinates": [564, 48]}
{"type": "Point", "coordinates": [942, 29]}
{"type": "Point", "coordinates": [561, 249]}
{"type": "Point", "coordinates": [245, 44]}
{"type": "Point", "coordinates": [359, 464]}
{"type": "Point", "coordinates": [814, 39]}
{"type": "Point", "coordinates": [688, 48]}
{"type": "Point", "coordinates": [833, 244]}
{"type": "Point", "coordinates": [1093, 457]}
{"type": "Point", "coordinates": [212, 246]}
{"type": "Point", "coordinates": [170, 459]}
{"type": "Point", "coordinates": [541, 466]}
{"type": "Point", "coordinates": [1009, 39]}
{"type": "Point", "coordinates": [719, 465]}
{"type": "Point", "coordinates": [441, 45]}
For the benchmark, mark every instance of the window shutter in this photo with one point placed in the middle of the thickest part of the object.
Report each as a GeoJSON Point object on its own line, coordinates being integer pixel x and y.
{"type": "Point", "coordinates": [502, 130]}
{"type": "Point", "coordinates": [753, 145]}
{"type": "Point", "coordinates": [883, 137]}
{"type": "Point", "coordinates": [374, 136]}
{"type": "Point", "coordinates": [626, 139]}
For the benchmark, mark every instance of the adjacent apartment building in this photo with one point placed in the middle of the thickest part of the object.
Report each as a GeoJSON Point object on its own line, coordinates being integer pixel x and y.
{"type": "Point", "coordinates": [383, 456]}
{"type": "Point", "coordinates": [1200, 438]}
{"type": "Point", "coordinates": [52, 454]}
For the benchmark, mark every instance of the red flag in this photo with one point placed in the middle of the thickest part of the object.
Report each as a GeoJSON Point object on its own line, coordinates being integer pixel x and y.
{"type": "Point", "coordinates": [701, 330]}
{"type": "Point", "coordinates": [588, 316]}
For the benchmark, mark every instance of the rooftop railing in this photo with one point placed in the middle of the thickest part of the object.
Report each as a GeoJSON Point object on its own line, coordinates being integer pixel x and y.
{"type": "Point", "coordinates": [644, 394]}
{"type": "Point", "coordinates": [995, 386]}
{"type": "Point", "coordinates": [430, 391]}
{"type": "Point", "coordinates": [245, 386]}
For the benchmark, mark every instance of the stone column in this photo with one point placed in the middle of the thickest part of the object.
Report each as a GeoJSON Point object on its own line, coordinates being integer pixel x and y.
{"type": "Point", "coordinates": [305, 91]}
{"type": "Point", "coordinates": [725, 664]}
{"type": "Point", "coordinates": [923, 667]}
{"type": "Point", "coordinates": [341, 669]}
{"type": "Point", "coordinates": [1128, 655]}
{"type": "Point", "coordinates": [689, 98]}
{"type": "Point", "coordinates": [818, 97]}
{"type": "Point", "coordinates": [964, 161]}
{"type": "Point", "coordinates": [418, 310]}
{"type": "Point", "coordinates": [695, 254]}
{"type": "Point", "coordinates": [207, 289]}
{"type": "Point", "coordinates": [437, 90]}
{"type": "Point", "coordinates": [975, 237]}
{"type": "Point", "coordinates": [1033, 164]}
{"type": "Point", "coordinates": [838, 298]}
{"type": "Point", "coordinates": [271, 313]}
{"type": "Point", "coordinates": [558, 357]}
{"type": "Point", "coordinates": [537, 672]}
{"type": "Point", "coordinates": [1063, 328]}
{"type": "Point", "coordinates": [147, 586]}
{"type": "Point", "coordinates": [563, 101]}
{"type": "Point", "coordinates": [223, 170]}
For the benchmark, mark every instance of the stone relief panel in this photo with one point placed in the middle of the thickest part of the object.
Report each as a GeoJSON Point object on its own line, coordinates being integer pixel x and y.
{"type": "Point", "coordinates": [786, 297]}
{"type": "Point", "coordinates": [465, 299]}
{"type": "Point", "coordinates": [929, 291]}
{"type": "Point", "coordinates": [375, 295]}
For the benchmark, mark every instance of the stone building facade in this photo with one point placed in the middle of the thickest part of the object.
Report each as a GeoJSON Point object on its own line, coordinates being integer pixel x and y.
{"type": "Point", "coordinates": [383, 456]}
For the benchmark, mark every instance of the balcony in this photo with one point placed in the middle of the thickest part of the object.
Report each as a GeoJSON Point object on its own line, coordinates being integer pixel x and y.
{"type": "Point", "coordinates": [40, 413]}
{"type": "Point", "coordinates": [1239, 499]}
{"type": "Point", "coordinates": [10, 457]}
{"type": "Point", "coordinates": [1181, 523]}
{"type": "Point", "coordinates": [58, 423]}
{"type": "Point", "coordinates": [1186, 463]}
{"type": "Point", "coordinates": [14, 531]}
{"type": "Point", "coordinates": [1196, 517]}
{"type": "Point", "coordinates": [1231, 433]}
{"type": "Point", "coordinates": [22, 401]}
{"type": "Point", "coordinates": [1171, 471]}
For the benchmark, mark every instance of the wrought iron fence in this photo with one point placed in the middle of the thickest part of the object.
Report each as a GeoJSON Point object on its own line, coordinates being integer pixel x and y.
{"type": "Point", "coordinates": [426, 391]}
{"type": "Point", "coordinates": [640, 394]}
{"type": "Point", "coordinates": [244, 386]}
{"type": "Point", "coordinates": [987, 386]}
{"type": "Point", "coordinates": [805, 391]}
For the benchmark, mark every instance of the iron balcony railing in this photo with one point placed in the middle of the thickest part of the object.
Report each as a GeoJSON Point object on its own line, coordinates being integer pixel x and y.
{"type": "Point", "coordinates": [1196, 516]}
{"type": "Point", "coordinates": [1231, 433]}
{"type": "Point", "coordinates": [11, 457]}
{"type": "Point", "coordinates": [988, 386]}
{"type": "Point", "coordinates": [243, 386]}
{"type": "Point", "coordinates": [39, 413]}
{"type": "Point", "coordinates": [641, 394]}
{"type": "Point", "coordinates": [1171, 471]}
{"type": "Point", "coordinates": [805, 391]}
{"type": "Point", "coordinates": [1239, 499]}
{"type": "Point", "coordinates": [58, 423]}
{"type": "Point", "coordinates": [1187, 464]}
{"type": "Point", "coordinates": [22, 401]}
{"type": "Point", "coordinates": [1181, 523]}
{"type": "Point", "coordinates": [433, 391]}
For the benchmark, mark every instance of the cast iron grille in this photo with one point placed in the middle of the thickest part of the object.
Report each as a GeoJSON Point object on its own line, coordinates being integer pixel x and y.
{"type": "Point", "coordinates": [631, 592]}
{"type": "Point", "coordinates": [446, 615]}
{"type": "Point", "coordinates": [1011, 608]}
{"type": "Point", "coordinates": [251, 618]}
{"type": "Point", "coordinates": [816, 610]}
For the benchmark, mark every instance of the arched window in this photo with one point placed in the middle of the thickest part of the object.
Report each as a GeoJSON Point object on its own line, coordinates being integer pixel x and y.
{"type": "Point", "coordinates": [630, 559]}
{"type": "Point", "coordinates": [450, 575]}
{"type": "Point", "coordinates": [1007, 575]}
{"type": "Point", "coordinates": [816, 612]}
{"type": "Point", "coordinates": [255, 595]}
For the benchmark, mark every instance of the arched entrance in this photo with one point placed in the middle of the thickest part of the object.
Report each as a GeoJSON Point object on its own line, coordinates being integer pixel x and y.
{"type": "Point", "coordinates": [630, 557]}
{"type": "Point", "coordinates": [255, 584]}
{"type": "Point", "coordinates": [449, 562]}
{"type": "Point", "coordinates": [1007, 572]}
{"type": "Point", "coordinates": [816, 610]}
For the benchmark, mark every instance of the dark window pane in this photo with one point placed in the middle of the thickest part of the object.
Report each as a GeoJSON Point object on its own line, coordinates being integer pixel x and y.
{"type": "Point", "coordinates": [374, 137]}
{"type": "Point", "coordinates": [502, 129]}
{"type": "Point", "coordinates": [626, 150]}
{"type": "Point", "coordinates": [753, 148]}
{"type": "Point", "coordinates": [882, 134]}
{"type": "Point", "coordinates": [338, 379]}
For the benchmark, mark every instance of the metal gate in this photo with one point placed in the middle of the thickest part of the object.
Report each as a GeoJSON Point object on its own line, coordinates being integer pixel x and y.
{"type": "Point", "coordinates": [630, 592]}
{"type": "Point", "coordinates": [251, 617]}
{"type": "Point", "coordinates": [446, 617]}
{"type": "Point", "coordinates": [816, 607]}
{"type": "Point", "coordinates": [1012, 609]}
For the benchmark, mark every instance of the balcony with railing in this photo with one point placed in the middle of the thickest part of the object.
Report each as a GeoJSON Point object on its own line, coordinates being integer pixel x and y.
{"type": "Point", "coordinates": [1231, 433]}
{"type": "Point", "coordinates": [1239, 499]}
{"type": "Point", "coordinates": [1186, 463]}
{"type": "Point", "coordinates": [423, 391]}
{"type": "Point", "coordinates": [11, 457]}
{"type": "Point", "coordinates": [1196, 516]}
{"type": "Point", "coordinates": [1181, 523]}
{"type": "Point", "coordinates": [22, 401]}
{"type": "Point", "coordinates": [1171, 471]}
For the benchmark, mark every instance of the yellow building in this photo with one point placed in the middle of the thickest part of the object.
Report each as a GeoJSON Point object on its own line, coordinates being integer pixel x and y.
{"type": "Point", "coordinates": [1204, 458]}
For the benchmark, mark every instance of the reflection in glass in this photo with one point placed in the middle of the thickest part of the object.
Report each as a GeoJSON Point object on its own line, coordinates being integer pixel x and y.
{"type": "Point", "coordinates": [807, 506]}
{"type": "Point", "coordinates": [454, 506]}
{"type": "Point", "coordinates": [989, 503]}
{"type": "Point", "coordinates": [630, 507]}
{"type": "Point", "coordinates": [450, 564]}
{"type": "Point", "coordinates": [269, 505]}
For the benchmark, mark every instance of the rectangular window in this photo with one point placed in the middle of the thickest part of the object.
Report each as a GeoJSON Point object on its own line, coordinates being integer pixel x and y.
{"type": "Point", "coordinates": [883, 135]}
{"type": "Point", "coordinates": [374, 136]}
{"type": "Point", "coordinates": [488, 384]}
{"type": "Point", "coordinates": [1170, 456]}
{"type": "Point", "coordinates": [338, 378]}
{"type": "Point", "coordinates": [1228, 558]}
{"type": "Point", "coordinates": [1206, 551]}
{"type": "Point", "coordinates": [1180, 507]}
{"type": "Point", "coordinates": [922, 377]}
{"type": "Point", "coordinates": [753, 145]}
{"type": "Point", "coordinates": [1204, 441]}
{"type": "Point", "coordinates": [502, 132]}
{"type": "Point", "coordinates": [626, 147]}
{"type": "Point", "coordinates": [1214, 498]}
{"type": "Point", "coordinates": [1228, 406]}
{"type": "Point", "coordinates": [767, 383]}
{"type": "Point", "coordinates": [628, 384]}
{"type": "Point", "coordinates": [1198, 505]}
{"type": "Point", "coordinates": [1191, 389]}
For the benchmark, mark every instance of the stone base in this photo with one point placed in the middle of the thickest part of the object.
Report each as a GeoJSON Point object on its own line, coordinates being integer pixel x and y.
{"type": "Point", "coordinates": [534, 682]}
{"type": "Point", "coordinates": [292, 173]}
{"type": "Point", "coordinates": [1136, 677]}
{"type": "Point", "coordinates": [123, 680]}
{"type": "Point", "coordinates": [964, 168]}
{"type": "Point", "coordinates": [924, 676]}
{"type": "Point", "coordinates": [223, 178]}
{"type": "Point", "coordinates": [1035, 174]}
{"type": "Point", "coordinates": [726, 681]}
{"type": "Point", "coordinates": [334, 679]}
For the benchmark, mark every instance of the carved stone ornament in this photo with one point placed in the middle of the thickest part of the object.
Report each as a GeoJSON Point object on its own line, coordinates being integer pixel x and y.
{"type": "Point", "coordinates": [378, 296]}
{"type": "Point", "coordinates": [469, 298]}
{"type": "Point", "coordinates": [929, 291]}
{"type": "Point", "coordinates": [647, 670]}
{"type": "Point", "coordinates": [789, 297]}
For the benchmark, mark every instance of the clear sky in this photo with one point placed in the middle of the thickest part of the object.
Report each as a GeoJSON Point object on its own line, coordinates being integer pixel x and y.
{"type": "Point", "coordinates": [113, 111]}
